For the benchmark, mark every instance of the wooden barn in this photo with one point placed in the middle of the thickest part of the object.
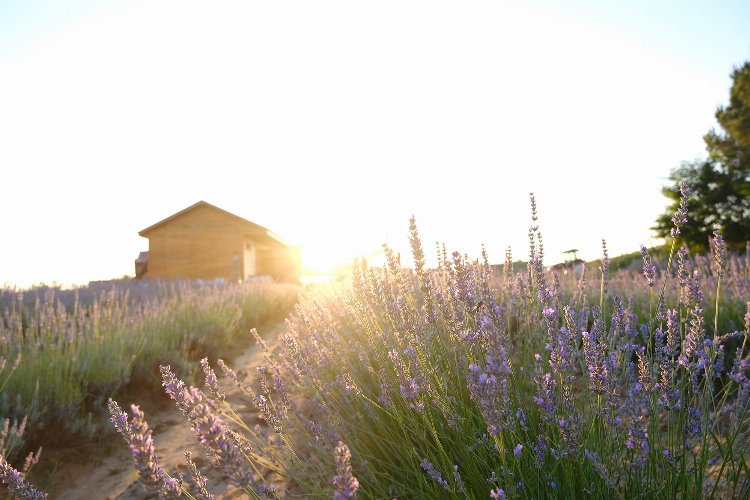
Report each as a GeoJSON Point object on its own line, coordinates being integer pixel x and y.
{"type": "Point", "coordinates": [206, 242]}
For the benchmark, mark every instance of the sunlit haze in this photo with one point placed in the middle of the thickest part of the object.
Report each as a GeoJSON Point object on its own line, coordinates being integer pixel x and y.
{"type": "Point", "coordinates": [331, 123]}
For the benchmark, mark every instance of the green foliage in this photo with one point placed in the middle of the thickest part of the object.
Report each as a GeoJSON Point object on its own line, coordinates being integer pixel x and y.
{"type": "Point", "coordinates": [720, 184]}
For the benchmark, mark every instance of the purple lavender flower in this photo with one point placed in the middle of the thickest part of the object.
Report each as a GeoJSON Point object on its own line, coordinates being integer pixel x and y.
{"type": "Point", "coordinates": [540, 449]}
{"type": "Point", "coordinates": [517, 450]}
{"type": "Point", "coordinates": [545, 393]}
{"type": "Point", "coordinates": [497, 494]}
{"type": "Point", "coordinates": [649, 269]}
{"type": "Point", "coordinates": [17, 484]}
{"type": "Point", "coordinates": [540, 280]}
{"type": "Point", "coordinates": [212, 383]}
{"type": "Point", "coordinates": [497, 362]}
{"type": "Point", "coordinates": [570, 430]}
{"type": "Point", "coordinates": [680, 217]}
{"type": "Point", "coordinates": [692, 348]}
{"type": "Point", "coordinates": [267, 412]}
{"type": "Point", "coordinates": [693, 426]}
{"type": "Point", "coordinates": [534, 228]}
{"type": "Point", "coordinates": [457, 479]}
{"type": "Point", "coordinates": [344, 481]}
{"type": "Point", "coordinates": [410, 390]}
{"type": "Point", "coordinates": [594, 351]}
{"type": "Point", "coordinates": [720, 253]}
{"type": "Point", "coordinates": [138, 436]}
{"type": "Point", "coordinates": [560, 345]}
{"type": "Point", "coordinates": [683, 277]}
{"type": "Point", "coordinates": [411, 386]}
{"type": "Point", "coordinates": [695, 289]}
{"type": "Point", "coordinates": [491, 396]}
{"type": "Point", "coordinates": [669, 397]}
{"type": "Point", "coordinates": [469, 335]}
{"type": "Point", "coordinates": [212, 432]}
{"type": "Point", "coordinates": [521, 416]}
{"type": "Point", "coordinates": [434, 474]}
{"type": "Point", "coordinates": [198, 480]}
{"type": "Point", "coordinates": [605, 266]}
{"type": "Point", "coordinates": [673, 334]}
{"type": "Point", "coordinates": [286, 402]}
{"type": "Point", "coordinates": [265, 385]}
{"type": "Point", "coordinates": [719, 361]}
{"type": "Point", "coordinates": [549, 313]}
{"type": "Point", "coordinates": [418, 255]}
{"type": "Point", "coordinates": [508, 268]}
{"type": "Point", "coordinates": [644, 372]}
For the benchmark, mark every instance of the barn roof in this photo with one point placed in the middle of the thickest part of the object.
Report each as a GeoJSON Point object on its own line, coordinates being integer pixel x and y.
{"type": "Point", "coordinates": [256, 230]}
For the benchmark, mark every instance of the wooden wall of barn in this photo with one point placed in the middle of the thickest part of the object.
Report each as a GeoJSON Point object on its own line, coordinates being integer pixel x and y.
{"type": "Point", "coordinates": [199, 244]}
{"type": "Point", "coordinates": [207, 244]}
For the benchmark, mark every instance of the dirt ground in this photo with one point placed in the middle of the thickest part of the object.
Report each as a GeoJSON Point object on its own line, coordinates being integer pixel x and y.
{"type": "Point", "coordinates": [108, 473]}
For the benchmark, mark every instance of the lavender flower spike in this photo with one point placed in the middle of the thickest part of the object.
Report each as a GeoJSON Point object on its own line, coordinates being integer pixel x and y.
{"type": "Point", "coordinates": [680, 217]}
{"type": "Point", "coordinates": [199, 481]}
{"type": "Point", "coordinates": [17, 485]}
{"type": "Point", "coordinates": [212, 432]}
{"type": "Point", "coordinates": [605, 266]}
{"type": "Point", "coordinates": [497, 494]}
{"type": "Point", "coordinates": [344, 481]}
{"type": "Point", "coordinates": [434, 474]}
{"type": "Point", "coordinates": [212, 383]}
{"type": "Point", "coordinates": [649, 269]}
{"type": "Point", "coordinates": [138, 436]}
{"type": "Point", "coordinates": [720, 253]}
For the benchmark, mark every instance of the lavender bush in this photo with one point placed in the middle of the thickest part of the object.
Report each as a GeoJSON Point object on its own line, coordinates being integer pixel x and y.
{"type": "Point", "coordinates": [456, 382]}
{"type": "Point", "coordinates": [460, 382]}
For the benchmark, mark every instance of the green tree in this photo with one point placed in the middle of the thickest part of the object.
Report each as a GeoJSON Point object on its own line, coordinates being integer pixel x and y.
{"type": "Point", "coordinates": [720, 183]}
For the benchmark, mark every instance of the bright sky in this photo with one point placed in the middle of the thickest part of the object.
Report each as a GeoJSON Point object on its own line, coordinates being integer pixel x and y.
{"type": "Point", "coordinates": [332, 122]}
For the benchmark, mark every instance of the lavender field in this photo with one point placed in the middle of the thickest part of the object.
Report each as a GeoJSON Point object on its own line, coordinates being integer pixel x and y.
{"type": "Point", "coordinates": [460, 381]}
{"type": "Point", "coordinates": [64, 352]}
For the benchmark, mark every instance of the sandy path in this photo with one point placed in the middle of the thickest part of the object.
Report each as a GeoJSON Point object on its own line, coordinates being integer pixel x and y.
{"type": "Point", "coordinates": [111, 474]}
